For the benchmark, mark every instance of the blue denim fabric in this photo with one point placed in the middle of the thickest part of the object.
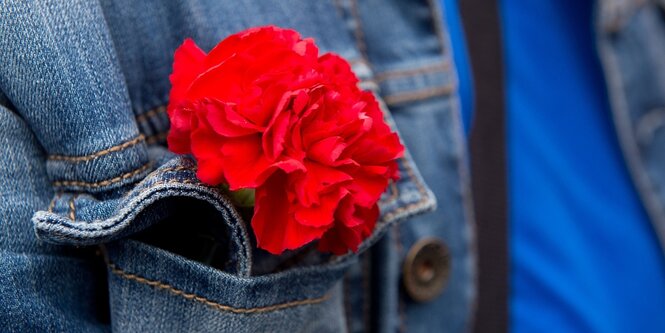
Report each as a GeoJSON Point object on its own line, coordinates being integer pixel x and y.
{"type": "Point", "coordinates": [84, 85]}
{"type": "Point", "coordinates": [631, 45]}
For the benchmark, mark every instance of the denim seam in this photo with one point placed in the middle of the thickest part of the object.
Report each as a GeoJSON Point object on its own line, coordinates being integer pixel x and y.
{"type": "Point", "coordinates": [419, 94]}
{"type": "Point", "coordinates": [150, 113]}
{"type": "Point", "coordinates": [358, 31]}
{"type": "Point", "coordinates": [423, 196]}
{"type": "Point", "coordinates": [165, 170]}
{"type": "Point", "coordinates": [63, 229]}
{"type": "Point", "coordinates": [362, 48]}
{"type": "Point", "coordinates": [51, 205]}
{"type": "Point", "coordinates": [398, 98]}
{"type": "Point", "coordinates": [428, 69]}
{"type": "Point", "coordinates": [360, 42]}
{"type": "Point", "coordinates": [438, 16]}
{"type": "Point", "coordinates": [88, 227]}
{"type": "Point", "coordinates": [119, 147]}
{"type": "Point", "coordinates": [170, 169]}
{"type": "Point", "coordinates": [394, 191]}
{"type": "Point", "coordinates": [648, 124]}
{"type": "Point", "coordinates": [626, 136]}
{"type": "Point", "coordinates": [72, 208]}
{"type": "Point", "coordinates": [103, 183]}
{"type": "Point", "coordinates": [221, 307]}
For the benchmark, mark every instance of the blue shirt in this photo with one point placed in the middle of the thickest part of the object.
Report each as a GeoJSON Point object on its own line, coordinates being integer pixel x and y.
{"type": "Point", "coordinates": [584, 257]}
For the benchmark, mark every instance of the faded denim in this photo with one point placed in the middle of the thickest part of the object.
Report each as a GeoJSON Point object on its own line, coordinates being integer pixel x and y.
{"type": "Point", "coordinates": [631, 44]}
{"type": "Point", "coordinates": [100, 225]}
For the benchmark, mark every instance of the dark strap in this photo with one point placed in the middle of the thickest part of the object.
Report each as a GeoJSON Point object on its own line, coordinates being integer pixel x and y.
{"type": "Point", "coordinates": [488, 163]}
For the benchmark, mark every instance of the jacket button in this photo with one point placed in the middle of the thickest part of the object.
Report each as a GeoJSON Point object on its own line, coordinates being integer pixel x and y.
{"type": "Point", "coordinates": [426, 269]}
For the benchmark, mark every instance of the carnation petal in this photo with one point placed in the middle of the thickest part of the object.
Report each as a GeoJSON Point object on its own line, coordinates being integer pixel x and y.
{"type": "Point", "coordinates": [210, 171]}
{"type": "Point", "coordinates": [321, 214]}
{"type": "Point", "coordinates": [206, 144]}
{"type": "Point", "coordinates": [275, 135]}
{"type": "Point", "coordinates": [367, 189]}
{"type": "Point", "coordinates": [224, 120]}
{"type": "Point", "coordinates": [346, 212]}
{"type": "Point", "coordinates": [341, 238]}
{"type": "Point", "coordinates": [188, 63]}
{"type": "Point", "coordinates": [274, 225]}
{"type": "Point", "coordinates": [221, 82]}
{"type": "Point", "coordinates": [244, 162]}
{"type": "Point", "coordinates": [318, 179]}
{"type": "Point", "coordinates": [374, 150]}
{"type": "Point", "coordinates": [327, 151]}
{"type": "Point", "coordinates": [178, 142]}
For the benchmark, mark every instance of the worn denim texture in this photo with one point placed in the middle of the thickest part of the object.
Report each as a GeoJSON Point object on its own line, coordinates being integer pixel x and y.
{"type": "Point", "coordinates": [99, 222]}
{"type": "Point", "coordinates": [631, 44]}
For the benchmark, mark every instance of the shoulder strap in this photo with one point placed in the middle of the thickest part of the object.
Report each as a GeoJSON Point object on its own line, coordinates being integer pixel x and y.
{"type": "Point", "coordinates": [488, 163]}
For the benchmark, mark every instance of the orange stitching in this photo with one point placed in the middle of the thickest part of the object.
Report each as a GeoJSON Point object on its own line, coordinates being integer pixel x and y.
{"type": "Point", "coordinates": [360, 42]}
{"type": "Point", "coordinates": [72, 208]}
{"type": "Point", "coordinates": [163, 171]}
{"type": "Point", "coordinates": [359, 35]}
{"type": "Point", "coordinates": [393, 192]}
{"type": "Point", "coordinates": [421, 189]}
{"type": "Point", "coordinates": [161, 182]}
{"type": "Point", "coordinates": [104, 182]}
{"type": "Point", "coordinates": [156, 138]}
{"type": "Point", "coordinates": [52, 204]}
{"type": "Point", "coordinates": [440, 67]}
{"type": "Point", "coordinates": [221, 307]}
{"type": "Point", "coordinates": [180, 168]}
{"type": "Point", "coordinates": [184, 181]}
{"type": "Point", "coordinates": [415, 205]}
{"type": "Point", "coordinates": [151, 113]}
{"type": "Point", "coordinates": [113, 149]}
{"type": "Point", "coordinates": [419, 94]}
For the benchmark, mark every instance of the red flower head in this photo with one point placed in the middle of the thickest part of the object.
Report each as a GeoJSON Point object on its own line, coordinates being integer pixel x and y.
{"type": "Point", "coordinates": [264, 111]}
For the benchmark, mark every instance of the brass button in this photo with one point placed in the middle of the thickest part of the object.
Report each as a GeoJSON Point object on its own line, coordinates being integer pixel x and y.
{"type": "Point", "coordinates": [426, 269]}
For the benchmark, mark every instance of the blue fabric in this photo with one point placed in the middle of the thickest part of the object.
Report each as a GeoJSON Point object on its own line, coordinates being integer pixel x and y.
{"type": "Point", "coordinates": [460, 57]}
{"type": "Point", "coordinates": [83, 164]}
{"type": "Point", "coordinates": [584, 257]}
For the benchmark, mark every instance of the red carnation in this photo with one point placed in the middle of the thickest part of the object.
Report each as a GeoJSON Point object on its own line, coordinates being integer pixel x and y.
{"type": "Point", "coordinates": [264, 111]}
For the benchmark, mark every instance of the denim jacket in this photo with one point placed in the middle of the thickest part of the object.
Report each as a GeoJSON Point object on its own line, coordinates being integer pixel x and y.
{"type": "Point", "coordinates": [103, 229]}
{"type": "Point", "coordinates": [631, 45]}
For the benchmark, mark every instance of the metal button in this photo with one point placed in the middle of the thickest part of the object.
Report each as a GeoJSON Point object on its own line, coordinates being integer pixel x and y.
{"type": "Point", "coordinates": [426, 269]}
